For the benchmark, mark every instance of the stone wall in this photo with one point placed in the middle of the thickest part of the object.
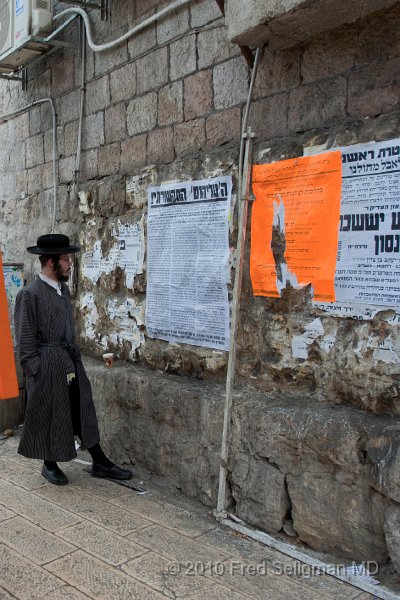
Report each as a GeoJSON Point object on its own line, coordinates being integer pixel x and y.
{"type": "Point", "coordinates": [331, 475]}
{"type": "Point", "coordinates": [167, 105]}
{"type": "Point", "coordinates": [284, 23]}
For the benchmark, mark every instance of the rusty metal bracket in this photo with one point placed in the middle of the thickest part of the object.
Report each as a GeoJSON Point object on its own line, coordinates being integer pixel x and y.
{"type": "Point", "coordinates": [102, 5]}
{"type": "Point", "coordinates": [245, 50]}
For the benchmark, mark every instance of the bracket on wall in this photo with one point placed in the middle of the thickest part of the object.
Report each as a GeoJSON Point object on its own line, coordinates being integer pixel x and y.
{"type": "Point", "coordinates": [34, 49]}
{"type": "Point", "coordinates": [24, 77]}
{"type": "Point", "coordinates": [102, 5]}
{"type": "Point", "coordinates": [245, 50]}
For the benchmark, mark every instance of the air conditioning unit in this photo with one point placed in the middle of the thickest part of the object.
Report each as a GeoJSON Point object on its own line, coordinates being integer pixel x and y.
{"type": "Point", "coordinates": [20, 22]}
{"type": "Point", "coordinates": [31, 17]}
{"type": "Point", "coordinates": [6, 25]}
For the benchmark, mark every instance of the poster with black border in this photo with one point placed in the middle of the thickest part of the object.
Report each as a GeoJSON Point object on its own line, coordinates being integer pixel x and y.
{"type": "Point", "coordinates": [188, 262]}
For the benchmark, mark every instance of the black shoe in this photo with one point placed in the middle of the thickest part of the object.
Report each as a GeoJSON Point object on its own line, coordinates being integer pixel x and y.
{"type": "Point", "coordinates": [55, 476]}
{"type": "Point", "coordinates": [113, 472]}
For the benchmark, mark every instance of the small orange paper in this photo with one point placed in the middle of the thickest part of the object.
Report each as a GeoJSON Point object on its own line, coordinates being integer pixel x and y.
{"type": "Point", "coordinates": [8, 376]}
{"type": "Point", "coordinates": [298, 203]}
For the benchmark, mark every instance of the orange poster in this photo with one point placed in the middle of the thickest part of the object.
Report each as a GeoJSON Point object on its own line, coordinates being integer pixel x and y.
{"type": "Point", "coordinates": [295, 223]}
{"type": "Point", "coordinates": [8, 377]}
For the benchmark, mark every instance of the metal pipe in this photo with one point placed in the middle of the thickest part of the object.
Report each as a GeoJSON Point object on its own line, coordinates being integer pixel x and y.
{"type": "Point", "coordinates": [241, 242]}
{"type": "Point", "coordinates": [77, 169]}
{"type": "Point", "coordinates": [246, 116]}
{"type": "Point", "coordinates": [230, 375]}
{"type": "Point", "coordinates": [102, 47]}
{"type": "Point", "coordinates": [7, 117]}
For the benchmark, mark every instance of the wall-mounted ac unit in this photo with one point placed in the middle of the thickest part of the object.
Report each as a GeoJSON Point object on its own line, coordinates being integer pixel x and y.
{"type": "Point", "coordinates": [31, 17]}
{"type": "Point", "coordinates": [20, 22]}
{"type": "Point", "coordinates": [6, 25]}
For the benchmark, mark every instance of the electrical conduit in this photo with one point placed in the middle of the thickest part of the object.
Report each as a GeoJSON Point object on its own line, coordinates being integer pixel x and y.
{"type": "Point", "coordinates": [103, 47]}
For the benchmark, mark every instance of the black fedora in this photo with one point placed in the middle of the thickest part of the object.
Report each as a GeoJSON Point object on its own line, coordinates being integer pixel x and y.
{"type": "Point", "coordinates": [53, 244]}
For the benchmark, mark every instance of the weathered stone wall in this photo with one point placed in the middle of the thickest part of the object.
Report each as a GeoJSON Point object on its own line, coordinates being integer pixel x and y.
{"type": "Point", "coordinates": [167, 105]}
{"type": "Point", "coordinates": [284, 23]}
{"type": "Point", "coordinates": [331, 474]}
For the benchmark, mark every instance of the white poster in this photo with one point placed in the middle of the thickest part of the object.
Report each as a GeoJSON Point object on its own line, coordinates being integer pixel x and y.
{"type": "Point", "coordinates": [187, 262]}
{"type": "Point", "coordinates": [368, 263]}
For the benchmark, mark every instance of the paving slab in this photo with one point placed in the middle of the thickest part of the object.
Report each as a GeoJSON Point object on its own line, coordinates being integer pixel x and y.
{"type": "Point", "coordinates": [66, 593]}
{"type": "Point", "coordinates": [240, 547]}
{"type": "Point", "coordinates": [35, 509]}
{"type": "Point", "coordinates": [5, 513]}
{"type": "Point", "coordinates": [31, 541]}
{"type": "Point", "coordinates": [21, 475]}
{"type": "Point", "coordinates": [4, 595]}
{"type": "Point", "coordinates": [176, 546]}
{"type": "Point", "coordinates": [100, 581]}
{"type": "Point", "coordinates": [102, 543]}
{"type": "Point", "coordinates": [254, 579]}
{"type": "Point", "coordinates": [94, 539]}
{"type": "Point", "coordinates": [166, 576]}
{"type": "Point", "coordinates": [24, 579]}
{"type": "Point", "coordinates": [222, 593]}
{"type": "Point", "coordinates": [165, 513]}
{"type": "Point", "coordinates": [88, 507]}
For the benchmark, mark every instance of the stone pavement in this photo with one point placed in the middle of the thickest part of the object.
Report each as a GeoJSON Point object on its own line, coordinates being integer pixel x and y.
{"type": "Point", "coordinates": [96, 539]}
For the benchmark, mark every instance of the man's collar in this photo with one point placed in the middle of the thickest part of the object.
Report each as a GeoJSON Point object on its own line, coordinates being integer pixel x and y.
{"type": "Point", "coordinates": [55, 284]}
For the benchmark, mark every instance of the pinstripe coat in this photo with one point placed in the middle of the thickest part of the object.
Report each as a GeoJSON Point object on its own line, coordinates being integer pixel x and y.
{"type": "Point", "coordinates": [44, 330]}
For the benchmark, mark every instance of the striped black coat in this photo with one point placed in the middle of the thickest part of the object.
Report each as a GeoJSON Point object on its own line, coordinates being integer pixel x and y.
{"type": "Point", "coordinates": [44, 330]}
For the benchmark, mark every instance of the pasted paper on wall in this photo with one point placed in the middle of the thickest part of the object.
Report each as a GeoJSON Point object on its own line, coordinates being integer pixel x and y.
{"type": "Point", "coordinates": [126, 253]}
{"type": "Point", "coordinates": [300, 343]}
{"type": "Point", "coordinates": [14, 281]}
{"type": "Point", "coordinates": [297, 207]}
{"type": "Point", "coordinates": [368, 261]}
{"type": "Point", "coordinates": [126, 316]}
{"type": "Point", "coordinates": [187, 262]}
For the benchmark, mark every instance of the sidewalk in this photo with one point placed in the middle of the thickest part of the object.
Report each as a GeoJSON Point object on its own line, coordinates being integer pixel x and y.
{"type": "Point", "coordinates": [96, 539]}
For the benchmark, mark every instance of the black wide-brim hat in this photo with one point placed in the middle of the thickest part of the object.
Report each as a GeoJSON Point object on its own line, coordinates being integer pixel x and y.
{"type": "Point", "coordinates": [53, 244]}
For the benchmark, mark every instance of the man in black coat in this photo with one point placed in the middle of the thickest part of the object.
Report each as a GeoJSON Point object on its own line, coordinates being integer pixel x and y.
{"type": "Point", "coordinates": [60, 403]}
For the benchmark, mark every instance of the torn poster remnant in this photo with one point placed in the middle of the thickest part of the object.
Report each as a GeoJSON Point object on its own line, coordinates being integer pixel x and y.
{"type": "Point", "coordinates": [126, 316]}
{"type": "Point", "coordinates": [384, 350]}
{"type": "Point", "coordinates": [300, 343]}
{"type": "Point", "coordinates": [127, 253]}
{"type": "Point", "coordinates": [91, 315]}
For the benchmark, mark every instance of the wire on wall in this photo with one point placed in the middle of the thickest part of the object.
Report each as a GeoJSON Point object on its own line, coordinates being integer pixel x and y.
{"type": "Point", "coordinates": [109, 45]}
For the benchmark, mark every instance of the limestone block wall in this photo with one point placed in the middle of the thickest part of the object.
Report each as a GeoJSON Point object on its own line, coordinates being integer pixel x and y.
{"type": "Point", "coordinates": [165, 106]}
{"type": "Point", "coordinates": [332, 475]}
{"type": "Point", "coordinates": [285, 23]}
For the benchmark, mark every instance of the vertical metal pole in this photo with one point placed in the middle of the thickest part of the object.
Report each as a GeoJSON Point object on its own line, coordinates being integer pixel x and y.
{"type": "Point", "coordinates": [24, 80]}
{"type": "Point", "coordinates": [241, 243]}
{"type": "Point", "coordinates": [104, 10]}
{"type": "Point", "coordinates": [82, 52]}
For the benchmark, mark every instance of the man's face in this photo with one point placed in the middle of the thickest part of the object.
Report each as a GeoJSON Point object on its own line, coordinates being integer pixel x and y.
{"type": "Point", "coordinates": [63, 269]}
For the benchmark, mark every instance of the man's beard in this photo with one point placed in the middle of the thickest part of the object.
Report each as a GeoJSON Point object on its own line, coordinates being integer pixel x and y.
{"type": "Point", "coordinates": [59, 274]}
